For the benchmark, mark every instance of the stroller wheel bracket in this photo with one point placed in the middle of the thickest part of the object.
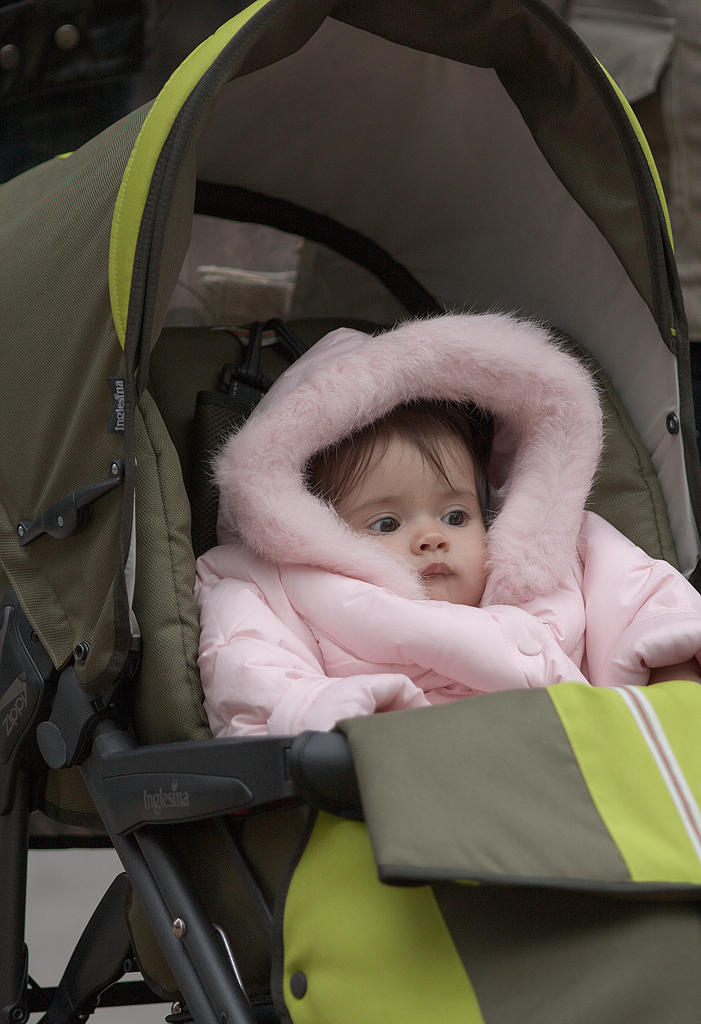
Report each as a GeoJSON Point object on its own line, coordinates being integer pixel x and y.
{"type": "Point", "coordinates": [68, 515]}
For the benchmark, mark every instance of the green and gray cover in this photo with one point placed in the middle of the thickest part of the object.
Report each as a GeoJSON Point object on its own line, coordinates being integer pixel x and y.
{"type": "Point", "coordinates": [544, 854]}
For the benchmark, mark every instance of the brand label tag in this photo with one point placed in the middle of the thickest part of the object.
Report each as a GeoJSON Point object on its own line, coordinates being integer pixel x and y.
{"type": "Point", "coordinates": [117, 393]}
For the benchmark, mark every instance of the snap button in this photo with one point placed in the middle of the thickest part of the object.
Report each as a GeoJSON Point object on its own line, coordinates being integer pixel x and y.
{"type": "Point", "coordinates": [9, 57]}
{"type": "Point", "coordinates": [530, 648]}
{"type": "Point", "coordinates": [66, 37]}
{"type": "Point", "coordinates": [298, 985]}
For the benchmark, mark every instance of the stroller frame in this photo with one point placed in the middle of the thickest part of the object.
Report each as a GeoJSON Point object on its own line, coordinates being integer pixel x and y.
{"type": "Point", "coordinates": [127, 782]}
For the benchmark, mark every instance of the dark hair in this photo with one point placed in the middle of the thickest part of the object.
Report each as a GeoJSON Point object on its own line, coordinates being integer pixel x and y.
{"type": "Point", "coordinates": [334, 471]}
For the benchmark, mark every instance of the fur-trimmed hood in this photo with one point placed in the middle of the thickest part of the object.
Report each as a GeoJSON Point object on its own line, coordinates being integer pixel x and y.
{"type": "Point", "coordinates": [547, 446]}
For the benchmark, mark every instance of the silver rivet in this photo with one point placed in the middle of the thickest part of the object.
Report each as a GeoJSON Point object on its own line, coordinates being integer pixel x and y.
{"type": "Point", "coordinates": [81, 651]}
{"type": "Point", "coordinates": [66, 37]}
{"type": "Point", "coordinates": [179, 928]}
{"type": "Point", "coordinates": [59, 520]}
{"type": "Point", "coordinates": [9, 57]}
{"type": "Point", "coordinates": [673, 423]}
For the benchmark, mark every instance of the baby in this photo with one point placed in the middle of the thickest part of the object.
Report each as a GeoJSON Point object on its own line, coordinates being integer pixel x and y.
{"type": "Point", "coordinates": [365, 564]}
{"type": "Point", "coordinates": [416, 481]}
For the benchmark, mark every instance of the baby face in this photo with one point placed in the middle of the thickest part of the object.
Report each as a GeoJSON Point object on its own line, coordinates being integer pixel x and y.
{"type": "Point", "coordinates": [433, 525]}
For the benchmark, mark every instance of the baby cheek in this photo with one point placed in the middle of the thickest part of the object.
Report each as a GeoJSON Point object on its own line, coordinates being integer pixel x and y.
{"type": "Point", "coordinates": [392, 542]}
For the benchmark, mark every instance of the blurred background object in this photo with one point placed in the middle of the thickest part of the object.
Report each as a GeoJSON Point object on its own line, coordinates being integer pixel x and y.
{"type": "Point", "coordinates": [64, 887]}
{"type": "Point", "coordinates": [67, 71]}
{"type": "Point", "coordinates": [70, 68]}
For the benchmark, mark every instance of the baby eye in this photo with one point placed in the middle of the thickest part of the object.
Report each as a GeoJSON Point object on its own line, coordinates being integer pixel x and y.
{"type": "Point", "coordinates": [455, 518]}
{"type": "Point", "coordinates": [388, 524]}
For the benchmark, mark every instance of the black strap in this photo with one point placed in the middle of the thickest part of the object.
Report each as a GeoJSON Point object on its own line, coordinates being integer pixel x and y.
{"type": "Point", "coordinates": [246, 384]}
{"type": "Point", "coordinates": [241, 204]}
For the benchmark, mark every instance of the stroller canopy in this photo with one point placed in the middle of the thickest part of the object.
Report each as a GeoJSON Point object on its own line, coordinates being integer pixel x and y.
{"type": "Point", "coordinates": [473, 147]}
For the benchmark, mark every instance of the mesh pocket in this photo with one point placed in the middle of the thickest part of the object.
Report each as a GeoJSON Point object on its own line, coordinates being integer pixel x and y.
{"type": "Point", "coordinates": [216, 416]}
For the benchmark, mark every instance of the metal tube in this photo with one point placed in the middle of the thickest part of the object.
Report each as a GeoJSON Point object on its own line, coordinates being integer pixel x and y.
{"type": "Point", "coordinates": [196, 933]}
{"type": "Point", "coordinates": [146, 888]}
{"type": "Point", "coordinates": [14, 830]}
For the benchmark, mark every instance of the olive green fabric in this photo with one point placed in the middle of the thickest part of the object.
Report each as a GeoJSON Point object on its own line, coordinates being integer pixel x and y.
{"type": "Point", "coordinates": [352, 949]}
{"type": "Point", "coordinates": [59, 349]}
{"type": "Point", "coordinates": [168, 699]}
{"type": "Point", "coordinates": [570, 786]}
{"type": "Point", "coordinates": [545, 956]}
{"type": "Point", "coordinates": [383, 955]}
{"type": "Point", "coordinates": [468, 803]}
{"type": "Point", "coordinates": [626, 491]}
{"type": "Point", "coordinates": [562, 833]}
{"type": "Point", "coordinates": [565, 869]}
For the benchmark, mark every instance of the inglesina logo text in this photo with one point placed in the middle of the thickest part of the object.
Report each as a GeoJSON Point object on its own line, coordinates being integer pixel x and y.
{"type": "Point", "coordinates": [163, 799]}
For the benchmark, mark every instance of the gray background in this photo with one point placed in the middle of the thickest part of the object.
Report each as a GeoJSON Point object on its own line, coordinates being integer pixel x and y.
{"type": "Point", "coordinates": [64, 887]}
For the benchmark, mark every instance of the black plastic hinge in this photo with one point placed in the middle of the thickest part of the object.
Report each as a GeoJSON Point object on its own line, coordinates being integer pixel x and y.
{"type": "Point", "coordinates": [68, 515]}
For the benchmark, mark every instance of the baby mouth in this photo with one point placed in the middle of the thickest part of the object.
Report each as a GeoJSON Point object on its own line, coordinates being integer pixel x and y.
{"type": "Point", "coordinates": [436, 569]}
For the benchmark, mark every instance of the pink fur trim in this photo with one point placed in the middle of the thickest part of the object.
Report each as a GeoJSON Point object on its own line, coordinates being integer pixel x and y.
{"type": "Point", "coordinates": [510, 366]}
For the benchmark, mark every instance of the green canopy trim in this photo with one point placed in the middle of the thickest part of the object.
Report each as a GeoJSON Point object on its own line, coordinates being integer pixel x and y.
{"type": "Point", "coordinates": [645, 146]}
{"type": "Point", "coordinates": [136, 182]}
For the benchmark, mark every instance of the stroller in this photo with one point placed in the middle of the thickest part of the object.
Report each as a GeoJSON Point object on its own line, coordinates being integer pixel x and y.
{"type": "Point", "coordinates": [459, 154]}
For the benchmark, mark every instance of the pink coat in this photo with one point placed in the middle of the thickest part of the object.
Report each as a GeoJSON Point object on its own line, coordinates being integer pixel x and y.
{"type": "Point", "coordinates": [305, 622]}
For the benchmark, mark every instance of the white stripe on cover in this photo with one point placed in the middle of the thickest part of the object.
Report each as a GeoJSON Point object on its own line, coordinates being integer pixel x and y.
{"type": "Point", "coordinates": [654, 735]}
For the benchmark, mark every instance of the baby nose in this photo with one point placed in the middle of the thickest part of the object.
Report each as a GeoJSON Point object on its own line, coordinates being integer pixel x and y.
{"type": "Point", "coordinates": [431, 540]}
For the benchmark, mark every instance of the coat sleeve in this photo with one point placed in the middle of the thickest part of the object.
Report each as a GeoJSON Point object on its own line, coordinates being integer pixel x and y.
{"type": "Point", "coordinates": [260, 676]}
{"type": "Point", "coordinates": [641, 613]}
